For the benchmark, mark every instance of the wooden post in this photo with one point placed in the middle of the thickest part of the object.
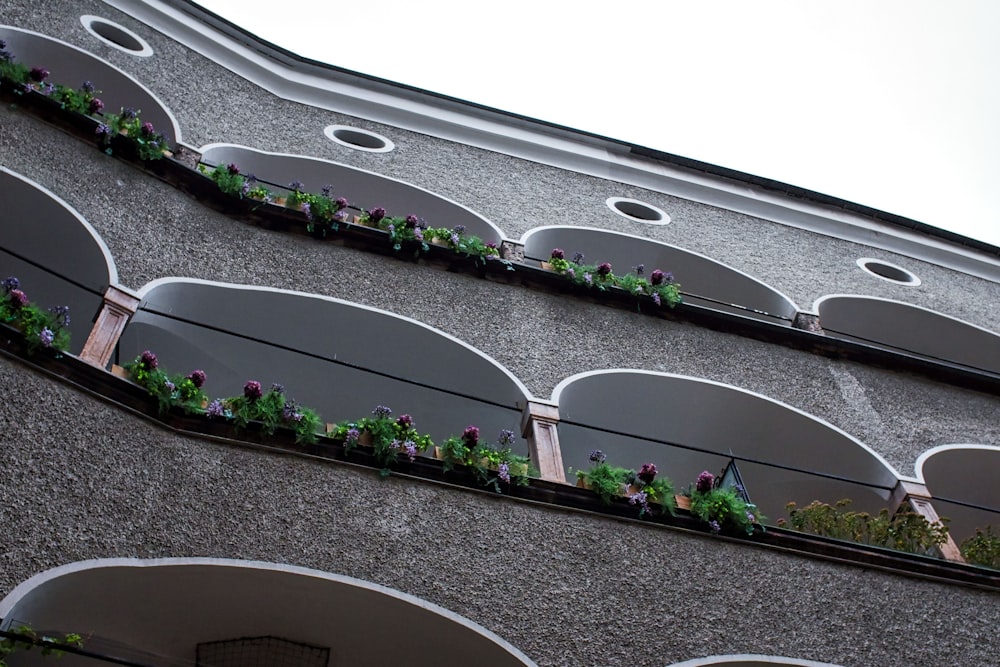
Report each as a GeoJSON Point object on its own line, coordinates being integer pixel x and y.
{"type": "Point", "coordinates": [118, 308]}
{"type": "Point", "coordinates": [538, 425]}
{"type": "Point", "coordinates": [918, 499]}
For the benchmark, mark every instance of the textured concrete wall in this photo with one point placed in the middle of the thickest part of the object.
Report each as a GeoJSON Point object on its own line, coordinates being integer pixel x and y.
{"type": "Point", "coordinates": [82, 479]}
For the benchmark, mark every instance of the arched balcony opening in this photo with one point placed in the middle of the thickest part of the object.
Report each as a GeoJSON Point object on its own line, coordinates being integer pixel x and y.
{"type": "Point", "coordinates": [686, 425]}
{"type": "Point", "coordinates": [746, 660]}
{"type": "Point", "coordinates": [185, 602]}
{"type": "Point", "coordinates": [363, 189]}
{"type": "Point", "coordinates": [71, 66]}
{"type": "Point", "coordinates": [963, 482]}
{"type": "Point", "coordinates": [908, 328]}
{"type": "Point", "coordinates": [336, 357]}
{"type": "Point", "coordinates": [704, 281]}
{"type": "Point", "coordinates": [58, 257]}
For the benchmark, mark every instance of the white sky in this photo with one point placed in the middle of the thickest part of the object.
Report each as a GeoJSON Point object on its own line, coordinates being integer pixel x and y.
{"type": "Point", "coordinates": [892, 104]}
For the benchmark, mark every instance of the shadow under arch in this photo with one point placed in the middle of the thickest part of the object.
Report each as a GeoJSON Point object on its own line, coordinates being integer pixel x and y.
{"type": "Point", "coordinates": [339, 358]}
{"type": "Point", "coordinates": [71, 66]}
{"type": "Point", "coordinates": [966, 474]}
{"type": "Point", "coordinates": [750, 660]}
{"type": "Point", "coordinates": [165, 607]}
{"type": "Point", "coordinates": [362, 188]}
{"type": "Point", "coordinates": [911, 328]}
{"type": "Point", "coordinates": [58, 256]}
{"type": "Point", "coordinates": [632, 415]}
{"type": "Point", "coordinates": [705, 281]}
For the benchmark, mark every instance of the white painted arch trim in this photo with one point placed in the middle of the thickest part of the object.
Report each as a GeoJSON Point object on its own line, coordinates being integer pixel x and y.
{"type": "Point", "coordinates": [175, 126]}
{"type": "Point", "coordinates": [25, 588]}
{"type": "Point", "coordinates": [207, 148]}
{"type": "Point", "coordinates": [923, 458]}
{"type": "Point", "coordinates": [688, 378]}
{"type": "Point", "coordinates": [108, 258]}
{"type": "Point", "coordinates": [89, 19]}
{"type": "Point", "coordinates": [936, 313]}
{"type": "Point", "coordinates": [148, 287]}
{"type": "Point", "coordinates": [750, 660]}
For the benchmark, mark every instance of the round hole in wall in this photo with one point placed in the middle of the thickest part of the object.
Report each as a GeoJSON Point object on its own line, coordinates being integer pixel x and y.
{"type": "Point", "coordinates": [887, 271]}
{"type": "Point", "coordinates": [362, 140]}
{"type": "Point", "coordinates": [116, 35]}
{"type": "Point", "coordinates": [633, 209]}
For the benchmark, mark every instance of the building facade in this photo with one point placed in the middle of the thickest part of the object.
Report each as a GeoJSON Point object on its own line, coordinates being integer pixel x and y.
{"type": "Point", "coordinates": [832, 351]}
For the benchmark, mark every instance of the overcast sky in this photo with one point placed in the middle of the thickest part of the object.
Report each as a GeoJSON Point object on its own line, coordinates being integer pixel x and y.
{"type": "Point", "coordinates": [892, 104]}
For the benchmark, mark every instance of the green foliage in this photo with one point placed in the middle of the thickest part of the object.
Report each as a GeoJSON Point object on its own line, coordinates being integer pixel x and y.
{"type": "Point", "coordinates": [610, 482]}
{"type": "Point", "coordinates": [272, 410]}
{"type": "Point", "coordinates": [229, 180]}
{"type": "Point", "coordinates": [453, 452]}
{"type": "Point", "coordinates": [903, 531]}
{"type": "Point", "coordinates": [24, 638]}
{"type": "Point", "coordinates": [14, 71]}
{"type": "Point", "coordinates": [496, 464]}
{"type": "Point", "coordinates": [607, 481]}
{"type": "Point", "coordinates": [41, 328]}
{"type": "Point", "coordinates": [725, 510]}
{"type": "Point", "coordinates": [600, 277]}
{"type": "Point", "coordinates": [182, 391]}
{"type": "Point", "coordinates": [149, 144]}
{"type": "Point", "coordinates": [390, 438]}
{"type": "Point", "coordinates": [982, 549]}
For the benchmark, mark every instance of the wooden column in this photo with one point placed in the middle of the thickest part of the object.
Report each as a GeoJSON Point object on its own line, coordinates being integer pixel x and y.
{"type": "Point", "coordinates": [118, 308]}
{"type": "Point", "coordinates": [538, 425]}
{"type": "Point", "coordinates": [917, 498]}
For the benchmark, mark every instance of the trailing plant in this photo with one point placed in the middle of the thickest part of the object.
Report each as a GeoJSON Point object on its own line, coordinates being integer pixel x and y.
{"type": "Point", "coordinates": [983, 548]}
{"type": "Point", "coordinates": [644, 489]}
{"type": "Point", "coordinates": [149, 144]}
{"type": "Point", "coordinates": [660, 285]}
{"type": "Point", "coordinates": [390, 438]}
{"type": "Point", "coordinates": [271, 409]}
{"type": "Point", "coordinates": [723, 507]}
{"type": "Point", "coordinates": [497, 464]}
{"type": "Point", "coordinates": [45, 329]}
{"type": "Point", "coordinates": [902, 531]}
{"type": "Point", "coordinates": [24, 638]}
{"type": "Point", "coordinates": [182, 391]}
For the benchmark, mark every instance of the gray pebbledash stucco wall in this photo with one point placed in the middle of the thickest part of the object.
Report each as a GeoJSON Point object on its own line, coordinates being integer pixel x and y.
{"type": "Point", "coordinates": [82, 479]}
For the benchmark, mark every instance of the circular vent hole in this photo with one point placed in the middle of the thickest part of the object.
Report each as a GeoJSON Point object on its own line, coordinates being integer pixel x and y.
{"type": "Point", "coordinates": [887, 271]}
{"type": "Point", "coordinates": [633, 209]}
{"type": "Point", "coordinates": [362, 140]}
{"type": "Point", "coordinates": [115, 35]}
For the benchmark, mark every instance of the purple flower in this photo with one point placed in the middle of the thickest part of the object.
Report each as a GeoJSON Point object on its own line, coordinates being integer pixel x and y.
{"type": "Point", "coordinates": [597, 456]}
{"type": "Point", "coordinates": [327, 191]}
{"type": "Point", "coordinates": [102, 130]}
{"type": "Point", "coordinates": [215, 409]}
{"type": "Point", "coordinates": [381, 412]}
{"type": "Point", "coordinates": [169, 385]}
{"type": "Point", "coordinates": [296, 186]}
{"type": "Point", "coordinates": [232, 168]}
{"type": "Point", "coordinates": [38, 74]}
{"type": "Point", "coordinates": [46, 337]}
{"type": "Point", "coordinates": [411, 449]}
{"type": "Point", "coordinates": [342, 203]}
{"type": "Point", "coordinates": [252, 390]}
{"type": "Point", "coordinates": [471, 436]}
{"type": "Point", "coordinates": [147, 129]}
{"type": "Point", "coordinates": [47, 89]}
{"type": "Point", "coordinates": [459, 229]}
{"type": "Point", "coordinates": [750, 517]}
{"type": "Point", "coordinates": [656, 298]}
{"type": "Point", "coordinates": [640, 499]}
{"type": "Point", "coordinates": [280, 388]}
{"type": "Point", "coordinates": [307, 209]}
{"type": "Point", "coordinates": [571, 272]}
{"type": "Point", "coordinates": [128, 113]}
{"type": "Point", "coordinates": [455, 239]}
{"type": "Point", "coordinates": [411, 221]}
{"type": "Point", "coordinates": [647, 473]}
{"type": "Point", "coordinates": [148, 360]}
{"type": "Point", "coordinates": [197, 378]}
{"type": "Point", "coordinates": [390, 228]}
{"type": "Point", "coordinates": [418, 234]}
{"type": "Point", "coordinates": [95, 106]}
{"type": "Point", "coordinates": [18, 299]}
{"type": "Point", "coordinates": [406, 421]}
{"type": "Point", "coordinates": [87, 87]}
{"type": "Point", "coordinates": [503, 472]}
{"type": "Point", "coordinates": [376, 214]}
{"type": "Point", "coordinates": [656, 277]}
{"type": "Point", "coordinates": [352, 435]}
{"type": "Point", "coordinates": [604, 269]}
{"type": "Point", "coordinates": [587, 278]}
{"type": "Point", "coordinates": [557, 253]}
{"type": "Point", "coordinates": [641, 269]}
{"type": "Point", "coordinates": [578, 258]}
{"type": "Point", "coordinates": [706, 481]}
{"type": "Point", "coordinates": [290, 413]}
{"type": "Point", "coordinates": [506, 438]}
{"type": "Point", "coordinates": [714, 526]}
{"type": "Point", "coordinates": [10, 283]}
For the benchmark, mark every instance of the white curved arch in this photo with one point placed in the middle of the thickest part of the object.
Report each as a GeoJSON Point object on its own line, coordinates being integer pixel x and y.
{"type": "Point", "coordinates": [966, 473]}
{"type": "Point", "coordinates": [699, 275]}
{"type": "Point", "coordinates": [750, 660]}
{"type": "Point", "coordinates": [366, 188]}
{"type": "Point", "coordinates": [335, 356]}
{"type": "Point", "coordinates": [25, 44]}
{"type": "Point", "coordinates": [205, 599]}
{"type": "Point", "coordinates": [910, 327]}
{"type": "Point", "coordinates": [686, 411]}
